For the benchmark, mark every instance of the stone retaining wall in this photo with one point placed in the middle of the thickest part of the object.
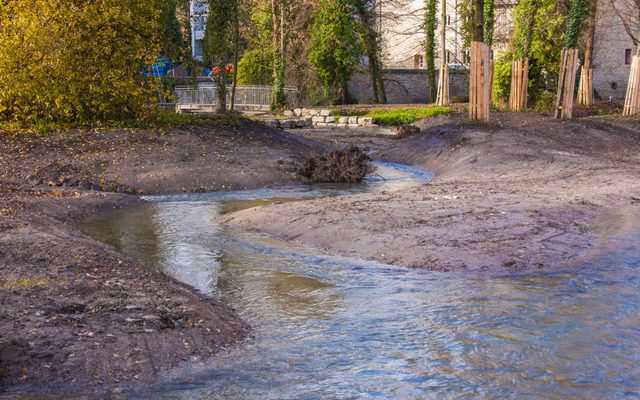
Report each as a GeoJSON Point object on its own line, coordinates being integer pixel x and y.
{"type": "Point", "coordinates": [321, 118]}
{"type": "Point", "coordinates": [406, 86]}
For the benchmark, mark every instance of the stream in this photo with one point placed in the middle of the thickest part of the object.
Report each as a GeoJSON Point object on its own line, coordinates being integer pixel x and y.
{"type": "Point", "coordinates": [329, 327]}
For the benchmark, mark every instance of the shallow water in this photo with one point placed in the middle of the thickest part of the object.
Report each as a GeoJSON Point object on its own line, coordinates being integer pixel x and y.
{"type": "Point", "coordinates": [327, 327]}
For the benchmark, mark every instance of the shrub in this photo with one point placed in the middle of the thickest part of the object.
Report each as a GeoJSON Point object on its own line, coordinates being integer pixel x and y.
{"type": "Point", "coordinates": [545, 101]}
{"type": "Point", "coordinates": [76, 60]}
{"type": "Point", "coordinates": [256, 67]}
{"type": "Point", "coordinates": [502, 79]}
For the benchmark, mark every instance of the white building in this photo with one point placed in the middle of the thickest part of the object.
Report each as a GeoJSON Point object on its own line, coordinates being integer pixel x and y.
{"type": "Point", "coordinates": [403, 35]}
{"type": "Point", "coordinates": [199, 12]}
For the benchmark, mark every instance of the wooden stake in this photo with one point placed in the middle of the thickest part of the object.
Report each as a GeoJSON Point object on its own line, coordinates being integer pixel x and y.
{"type": "Point", "coordinates": [519, 84]}
{"type": "Point", "coordinates": [566, 84]}
{"type": "Point", "coordinates": [480, 82]}
{"type": "Point", "coordinates": [443, 86]}
{"type": "Point", "coordinates": [632, 98]}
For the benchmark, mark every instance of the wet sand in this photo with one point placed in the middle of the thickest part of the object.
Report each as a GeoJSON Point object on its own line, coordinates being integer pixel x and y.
{"type": "Point", "coordinates": [522, 192]}
{"type": "Point", "coordinates": [77, 316]}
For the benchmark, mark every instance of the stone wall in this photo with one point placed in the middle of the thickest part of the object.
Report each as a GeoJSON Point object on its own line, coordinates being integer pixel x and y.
{"type": "Point", "coordinates": [610, 73]}
{"type": "Point", "coordinates": [405, 86]}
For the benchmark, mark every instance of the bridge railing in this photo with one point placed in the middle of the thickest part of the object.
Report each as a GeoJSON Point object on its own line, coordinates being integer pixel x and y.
{"type": "Point", "coordinates": [247, 97]}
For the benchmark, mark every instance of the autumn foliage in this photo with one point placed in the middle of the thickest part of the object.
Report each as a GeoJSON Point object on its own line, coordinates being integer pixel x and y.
{"type": "Point", "coordinates": [76, 60]}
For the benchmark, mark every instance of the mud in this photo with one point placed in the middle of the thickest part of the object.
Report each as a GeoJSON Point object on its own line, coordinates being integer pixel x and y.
{"type": "Point", "coordinates": [76, 315]}
{"type": "Point", "coordinates": [521, 192]}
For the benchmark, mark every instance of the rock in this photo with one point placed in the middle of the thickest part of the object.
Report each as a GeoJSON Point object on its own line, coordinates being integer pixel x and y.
{"type": "Point", "coordinates": [301, 123]}
{"type": "Point", "coordinates": [326, 113]}
{"type": "Point", "coordinates": [343, 120]}
{"type": "Point", "coordinates": [332, 125]}
{"type": "Point", "coordinates": [312, 112]}
{"type": "Point", "coordinates": [365, 121]}
{"type": "Point", "coordinates": [287, 124]}
{"type": "Point", "coordinates": [330, 119]}
{"type": "Point", "coordinates": [353, 126]}
{"type": "Point", "coordinates": [353, 120]}
{"type": "Point", "coordinates": [289, 113]}
{"type": "Point", "coordinates": [317, 119]}
{"type": "Point", "coordinates": [342, 125]}
{"type": "Point", "coordinates": [321, 124]}
{"type": "Point", "coordinates": [272, 123]}
{"type": "Point", "coordinates": [297, 112]}
{"type": "Point", "coordinates": [308, 121]}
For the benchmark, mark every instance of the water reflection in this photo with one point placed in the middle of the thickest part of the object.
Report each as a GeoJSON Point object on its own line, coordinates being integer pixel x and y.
{"type": "Point", "coordinates": [327, 327]}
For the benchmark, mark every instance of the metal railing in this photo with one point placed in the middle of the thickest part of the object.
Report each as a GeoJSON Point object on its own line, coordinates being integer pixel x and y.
{"type": "Point", "coordinates": [247, 97]}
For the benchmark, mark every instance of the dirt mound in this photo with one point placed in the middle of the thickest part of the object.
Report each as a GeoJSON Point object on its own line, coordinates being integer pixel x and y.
{"type": "Point", "coordinates": [337, 166]}
{"type": "Point", "coordinates": [404, 131]}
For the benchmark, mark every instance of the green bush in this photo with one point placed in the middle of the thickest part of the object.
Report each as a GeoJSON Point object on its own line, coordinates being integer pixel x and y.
{"type": "Point", "coordinates": [76, 61]}
{"type": "Point", "coordinates": [502, 79]}
{"type": "Point", "coordinates": [256, 67]}
{"type": "Point", "coordinates": [545, 101]}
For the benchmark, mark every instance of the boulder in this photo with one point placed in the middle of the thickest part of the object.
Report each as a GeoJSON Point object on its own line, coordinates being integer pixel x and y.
{"type": "Point", "coordinates": [353, 120]}
{"type": "Point", "coordinates": [288, 113]}
{"type": "Point", "coordinates": [317, 119]}
{"type": "Point", "coordinates": [272, 123]}
{"type": "Point", "coordinates": [326, 113]}
{"type": "Point", "coordinates": [330, 119]}
{"type": "Point", "coordinates": [365, 121]}
{"type": "Point", "coordinates": [297, 112]}
{"type": "Point", "coordinates": [287, 124]}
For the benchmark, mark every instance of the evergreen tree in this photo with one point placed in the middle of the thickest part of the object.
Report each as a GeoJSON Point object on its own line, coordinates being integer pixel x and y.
{"type": "Point", "coordinates": [335, 46]}
{"type": "Point", "coordinates": [219, 45]}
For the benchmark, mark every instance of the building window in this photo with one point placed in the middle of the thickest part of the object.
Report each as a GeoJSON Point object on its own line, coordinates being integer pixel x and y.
{"type": "Point", "coordinates": [198, 49]}
{"type": "Point", "coordinates": [627, 57]}
{"type": "Point", "coordinates": [418, 61]}
{"type": "Point", "coordinates": [467, 57]}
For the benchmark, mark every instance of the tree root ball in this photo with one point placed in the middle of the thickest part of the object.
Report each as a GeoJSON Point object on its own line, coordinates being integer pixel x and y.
{"type": "Point", "coordinates": [337, 166]}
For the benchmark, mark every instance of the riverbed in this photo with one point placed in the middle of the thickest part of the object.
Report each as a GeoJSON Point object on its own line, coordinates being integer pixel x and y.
{"type": "Point", "coordinates": [334, 327]}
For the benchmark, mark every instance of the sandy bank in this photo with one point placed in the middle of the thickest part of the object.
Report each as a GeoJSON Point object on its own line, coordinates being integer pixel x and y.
{"type": "Point", "coordinates": [522, 192]}
{"type": "Point", "coordinates": [76, 315]}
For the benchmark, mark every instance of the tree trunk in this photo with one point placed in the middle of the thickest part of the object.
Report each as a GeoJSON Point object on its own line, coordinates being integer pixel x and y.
{"type": "Point", "coordinates": [222, 94]}
{"type": "Point", "coordinates": [236, 55]}
{"type": "Point", "coordinates": [480, 82]}
{"type": "Point", "coordinates": [443, 81]}
{"type": "Point", "coordinates": [431, 23]}
{"type": "Point", "coordinates": [568, 65]}
{"type": "Point", "coordinates": [278, 39]}
{"type": "Point", "coordinates": [585, 88]}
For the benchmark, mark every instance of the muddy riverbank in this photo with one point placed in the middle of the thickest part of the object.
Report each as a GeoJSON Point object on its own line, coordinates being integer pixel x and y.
{"type": "Point", "coordinates": [79, 316]}
{"type": "Point", "coordinates": [522, 192]}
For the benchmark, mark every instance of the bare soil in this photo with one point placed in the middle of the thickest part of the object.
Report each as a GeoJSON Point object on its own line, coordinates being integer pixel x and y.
{"type": "Point", "coordinates": [522, 192]}
{"type": "Point", "coordinates": [76, 315]}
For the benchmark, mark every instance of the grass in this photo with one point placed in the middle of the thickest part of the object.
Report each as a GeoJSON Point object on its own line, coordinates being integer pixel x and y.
{"type": "Point", "coordinates": [161, 119]}
{"type": "Point", "coordinates": [398, 116]}
{"type": "Point", "coordinates": [25, 283]}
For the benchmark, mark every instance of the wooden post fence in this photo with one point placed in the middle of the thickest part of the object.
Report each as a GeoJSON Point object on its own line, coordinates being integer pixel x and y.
{"type": "Point", "coordinates": [480, 82]}
{"type": "Point", "coordinates": [519, 84]}
{"type": "Point", "coordinates": [585, 88]}
{"type": "Point", "coordinates": [443, 86]}
{"type": "Point", "coordinates": [566, 84]}
{"type": "Point", "coordinates": [632, 99]}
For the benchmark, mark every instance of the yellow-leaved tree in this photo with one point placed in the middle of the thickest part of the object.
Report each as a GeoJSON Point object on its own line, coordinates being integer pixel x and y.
{"type": "Point", "coordinates": [76, 60]}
